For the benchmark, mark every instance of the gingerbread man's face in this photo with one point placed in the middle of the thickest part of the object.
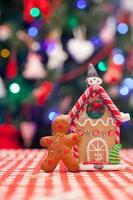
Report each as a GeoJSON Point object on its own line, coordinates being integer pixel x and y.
{"type": "Point", "coordinates": [60, 125]}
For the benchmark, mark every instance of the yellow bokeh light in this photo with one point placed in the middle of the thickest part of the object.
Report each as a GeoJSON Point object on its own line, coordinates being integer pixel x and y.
{"type": "Point", "coordinates": [5, 53]}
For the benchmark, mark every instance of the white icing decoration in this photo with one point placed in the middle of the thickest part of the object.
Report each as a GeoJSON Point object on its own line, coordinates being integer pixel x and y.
{"type": "Point", "coordinates": [94, 81]}
{"type": "Point", "coordinates": [97, 148]}
{"type": "Point", "coordinates": [90, 167]}
{"type": "Point", "coordinates": [105, 123]}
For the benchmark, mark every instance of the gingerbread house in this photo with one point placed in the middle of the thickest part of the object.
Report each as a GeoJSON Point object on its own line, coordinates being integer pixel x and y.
{"type": "Point", "coordinates": [98, 120]}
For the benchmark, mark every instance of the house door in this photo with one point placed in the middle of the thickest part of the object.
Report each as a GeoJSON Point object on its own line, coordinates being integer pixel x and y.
{"type": "Point", "coordinates": [97, 150]}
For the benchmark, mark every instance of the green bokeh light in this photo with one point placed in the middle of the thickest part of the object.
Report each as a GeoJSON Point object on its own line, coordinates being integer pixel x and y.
{"type": "Point", "coordinates": [102, 67]}
{"type": "Point", "coordinates": [35, 12]}
{"type": "Point", "coordinates": [73, 22]}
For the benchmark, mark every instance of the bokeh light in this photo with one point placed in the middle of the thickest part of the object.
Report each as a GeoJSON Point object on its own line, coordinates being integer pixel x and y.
{"type": "Point", "coordinates": [33, 31]}
{"type": "Point", "coordinates": [14, 88]}
{"type": "Point", "coordinates": [122, 28]}
{"type": "Point", "coordinates": [128, 82]}
{"type": "Point", "coordinates": [5, 53]}
{"type": "Point", "coordinates": [98, 43]}
{"type": "Point", "coordinates": [35, 12]}
{"type": "Point", "coordinates": [118, 59]}
{"type": "Point", "coordinates": [73, 22]}
{"type": "Point", "coordinates": [102, 67]}
{"type": "Point", "coordinates": [81, 4]}
{"type": "Point", "coordinates": [124, 90]}
{"type": "Point", "coordinates": [52, 115]}
{"type": "Point", "coordinates": [49, 45]}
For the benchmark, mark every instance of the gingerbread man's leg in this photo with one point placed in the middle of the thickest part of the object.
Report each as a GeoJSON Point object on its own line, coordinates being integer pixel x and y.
{"type": "Point", "coordinates": [70, 162]}
{"type": "Point", "coordinates": [50, 163]}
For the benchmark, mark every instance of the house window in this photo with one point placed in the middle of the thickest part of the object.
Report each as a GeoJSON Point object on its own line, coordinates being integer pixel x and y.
{"type": "Point", "coordinates": [95, 109]}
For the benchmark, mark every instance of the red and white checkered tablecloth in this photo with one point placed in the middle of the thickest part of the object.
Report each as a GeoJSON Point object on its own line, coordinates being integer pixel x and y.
{"type": "Point", "coordinates": [22, 179]}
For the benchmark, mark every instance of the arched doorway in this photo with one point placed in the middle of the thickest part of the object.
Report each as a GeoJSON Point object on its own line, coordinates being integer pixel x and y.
{"type": "Point", "coordinates": [97, 150]}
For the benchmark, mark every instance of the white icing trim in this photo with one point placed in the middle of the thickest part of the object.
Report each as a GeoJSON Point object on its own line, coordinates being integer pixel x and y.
{"type": "Point", "coordinates": [90, 167]}
{"type": "Point", "coordinates": [125, 116]}
{"type": "Point", "coordinates": [108, 121]}
{"type": "Point", "coordinates": [97, 150]}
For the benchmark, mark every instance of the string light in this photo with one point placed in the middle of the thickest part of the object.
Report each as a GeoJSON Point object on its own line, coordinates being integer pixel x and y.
{"type": "Point", "coordinates": [73, 22]}
{"type": "Point", "coordinates": [97, 42]}
{"type": "Point", "coordinates": [81, 4]}
{"type": "Point", "coordinates": [52, 115]}
{"type": "Point", "coordinates": [4, 53]}
{"type": "Point", "coordinates": [49, 46]}
{"type": "Point", "coordinates": [124, 90]}
{"type": "Point", "coordinates": [102, 67]}
{"type": "Point", "coordinates": [35, 12]}
{"type": "Point", "coordinates": [32, 31]}
{"type": "Point", "coordinates": [118, 59]}
{"type": "Point", "coordinates": [128, 82]}
{"type": "Point", "coordinates": [122, 28]}
{"type": "Point", "coordinates": [14, 88]}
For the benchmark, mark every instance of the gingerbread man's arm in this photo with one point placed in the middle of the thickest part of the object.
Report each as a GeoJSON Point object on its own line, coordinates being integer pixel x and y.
{"type": "Point", "coordinates": [72, 139]}
{"type": "Point", "coordinates": [46, 141]}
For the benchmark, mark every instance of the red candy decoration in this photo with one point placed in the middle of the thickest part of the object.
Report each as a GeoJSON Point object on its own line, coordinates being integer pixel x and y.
{"type": "Point", "coordinates": [81, 132]}
{"type": "Point", "coordinates": [50, 162]}
{"type": "Point", "coordinates": [111, 133]}
{"type": "Point", "coordinates": [75, 138]}
{"type": "Point", "coordinates": [66, 151]}
{"type": "Point", "coordinates": [11, 70]}
{"type": "Point", "coordinates": [95, 132]}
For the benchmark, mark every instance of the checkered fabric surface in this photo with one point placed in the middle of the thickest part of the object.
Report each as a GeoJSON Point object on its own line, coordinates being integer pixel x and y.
{"type": "Point", "coordinates": [22, 179]}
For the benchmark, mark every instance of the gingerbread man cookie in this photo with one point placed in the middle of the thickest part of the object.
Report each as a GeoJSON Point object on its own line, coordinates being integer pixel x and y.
{"type": "Point", "coordinates": [59, 146]}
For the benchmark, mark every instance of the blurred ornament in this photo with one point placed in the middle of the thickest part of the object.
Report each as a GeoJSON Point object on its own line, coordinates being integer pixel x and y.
{"type": "Point", "coordinates": [35, 46]}
{"type": "Point", "coordinates": [33, 8]}
{"type": "Point", "coordinates": [65, 103]}
{"type": "Point", "coordinates": [127, 5]}
{"type": "Point", "coordinates": [113, 91]}
{"type": "Point", "coordinates": [107, 33]}
{"type": "Point", "coordinates": [131, 101]}
{"type": "Point", "coordinates": [2, 89]}
{"type": "Point", "coordinates": [129, 61]}
{"type": "Point", "coordinates": [34, 69]}
{"type": "Point", "coordinates": [29, 41]}
{"type": "Point", "coordinates": [79, 48]}
{"type": "Point", "coordinates": [5, 32]}
{"type": "Point", "coordinates": [9, 137]}
{"type": "Point", "coordinates": [113, 75]}
{"type": "Point", "coordinates": [11, 69]}
{"type": "Point", "coordinates": [123, 17]}
{"type": "Point", "coordinates": [56, 55]}
{"type": "Point", "coordinates": [42, 93]}
{"type": "Point", "coordinates": [28, 130]}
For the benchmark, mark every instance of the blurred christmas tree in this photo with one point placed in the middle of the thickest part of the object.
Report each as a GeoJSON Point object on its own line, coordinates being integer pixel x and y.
{"type": "Point", "coordinates": [45, 48]}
